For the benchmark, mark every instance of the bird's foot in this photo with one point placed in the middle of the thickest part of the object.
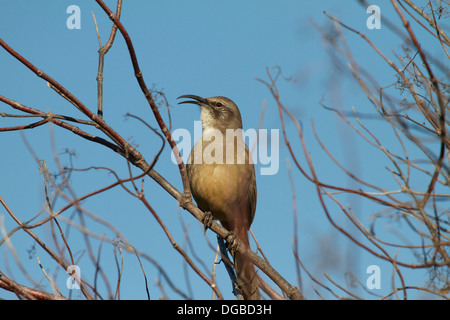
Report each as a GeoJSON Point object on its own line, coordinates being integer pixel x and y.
{"type": "Point", "coordinates": [231, 241]}
{"type": "Point", "coordinates": [207, 220]}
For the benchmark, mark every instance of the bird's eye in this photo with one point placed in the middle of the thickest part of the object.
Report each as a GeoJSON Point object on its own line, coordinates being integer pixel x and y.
{"type": "Point", "coordinates": [219, 104]}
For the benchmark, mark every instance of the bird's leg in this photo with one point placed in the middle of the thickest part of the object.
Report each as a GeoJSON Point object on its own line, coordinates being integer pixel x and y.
{"type": "Point", "coordinates": [231, 242]}
{"type": "Point", "coordinates": [207, 220]}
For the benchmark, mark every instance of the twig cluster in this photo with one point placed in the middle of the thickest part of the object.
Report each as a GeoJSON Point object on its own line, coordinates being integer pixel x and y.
{"type": "Point", "coordinates": [416, 113]}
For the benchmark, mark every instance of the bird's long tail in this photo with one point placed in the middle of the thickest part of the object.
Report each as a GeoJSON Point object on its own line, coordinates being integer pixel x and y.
{"type": "Point", "coordinates": [245, 272]}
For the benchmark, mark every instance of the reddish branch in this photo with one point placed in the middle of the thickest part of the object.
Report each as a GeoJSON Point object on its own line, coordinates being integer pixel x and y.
{"type": "Point", "coordinates": [26, 292]}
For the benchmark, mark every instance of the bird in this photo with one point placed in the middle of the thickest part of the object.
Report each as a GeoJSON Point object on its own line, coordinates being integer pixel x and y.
{"type": "Point", "coordinates": [222, 178]}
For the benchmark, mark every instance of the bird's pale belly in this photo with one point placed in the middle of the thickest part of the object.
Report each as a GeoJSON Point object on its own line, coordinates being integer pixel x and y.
{"type": "Point", "coordinates": [220, 182]}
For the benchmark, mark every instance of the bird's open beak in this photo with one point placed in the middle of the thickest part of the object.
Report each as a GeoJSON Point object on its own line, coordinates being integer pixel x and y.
{"type": "Point", "coordinates": [196, 100]}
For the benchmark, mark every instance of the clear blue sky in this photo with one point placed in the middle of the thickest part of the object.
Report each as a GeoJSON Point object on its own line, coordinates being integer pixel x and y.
{"type": "Point", "coordinates": [206, 48]}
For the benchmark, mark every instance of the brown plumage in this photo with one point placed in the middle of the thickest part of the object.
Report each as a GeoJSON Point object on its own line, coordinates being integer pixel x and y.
{"type": "Point", "coordinates": [222, 178]}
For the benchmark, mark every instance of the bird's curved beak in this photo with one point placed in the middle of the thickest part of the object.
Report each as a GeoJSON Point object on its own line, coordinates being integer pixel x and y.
{"type": "Point", "coordinates": [195, 100]}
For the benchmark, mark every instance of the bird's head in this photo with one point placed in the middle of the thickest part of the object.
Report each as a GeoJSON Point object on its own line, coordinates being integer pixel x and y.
{"type": "Point", "coordinates": [216, 112]}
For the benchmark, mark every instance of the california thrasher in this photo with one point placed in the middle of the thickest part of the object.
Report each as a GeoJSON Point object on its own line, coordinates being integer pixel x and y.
{"type": "Point", "coordinates": [222, 178]}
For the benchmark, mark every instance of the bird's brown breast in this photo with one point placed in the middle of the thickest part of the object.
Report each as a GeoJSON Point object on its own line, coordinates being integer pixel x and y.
{"type": "Point", "coordinates": [225, 189]}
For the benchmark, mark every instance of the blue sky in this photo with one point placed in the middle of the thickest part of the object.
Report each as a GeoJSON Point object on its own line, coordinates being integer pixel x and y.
{"type": "Point", "coordinates": [207, 48]}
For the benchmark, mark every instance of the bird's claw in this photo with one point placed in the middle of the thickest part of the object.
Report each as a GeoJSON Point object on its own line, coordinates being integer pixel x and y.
{"type": "Point", "coordinates": [207, 220]}
{"type": "Point", "coordinates": [231, 241]}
